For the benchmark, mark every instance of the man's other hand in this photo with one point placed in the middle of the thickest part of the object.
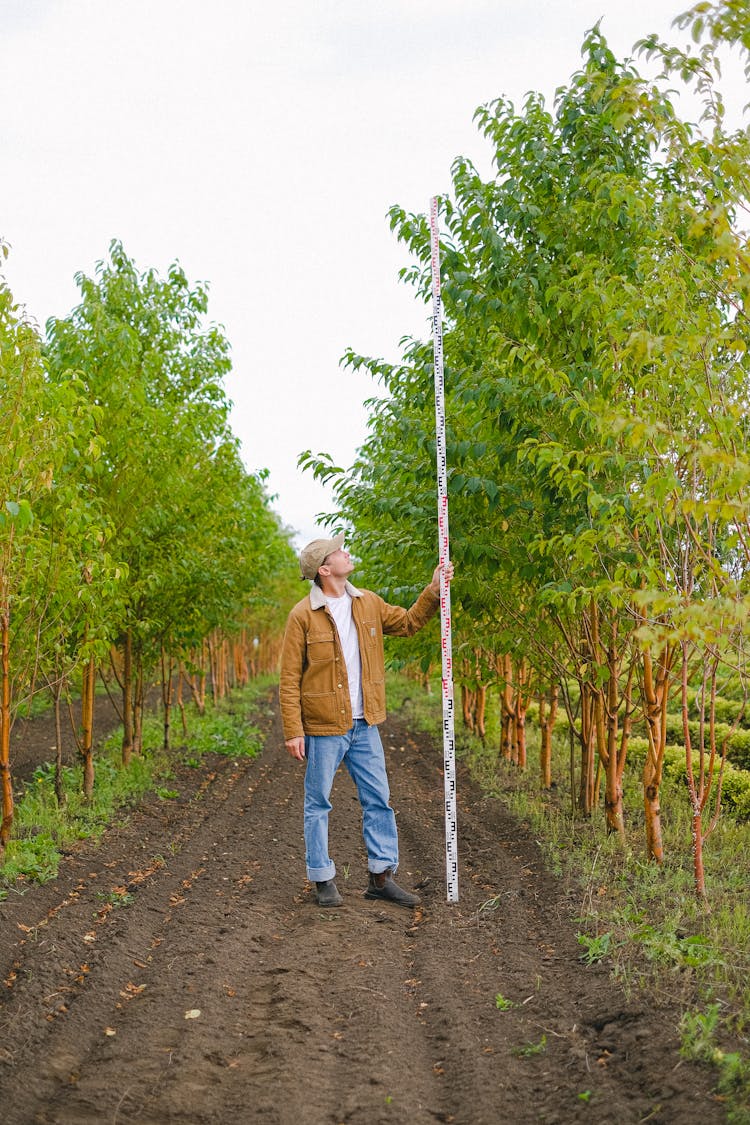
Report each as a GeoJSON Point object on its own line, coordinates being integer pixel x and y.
{"type": "Point", "coordinates": [296, 747]}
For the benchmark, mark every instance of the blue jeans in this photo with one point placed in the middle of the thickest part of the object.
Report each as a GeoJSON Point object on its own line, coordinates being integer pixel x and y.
{"type": "Point", "coordinates": [361, 751]}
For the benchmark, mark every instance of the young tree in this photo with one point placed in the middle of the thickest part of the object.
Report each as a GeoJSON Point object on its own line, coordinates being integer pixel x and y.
{"type": "Point", "coordinates": [595, 294]}
{"type": "Point", "coordinates": [39, 423]}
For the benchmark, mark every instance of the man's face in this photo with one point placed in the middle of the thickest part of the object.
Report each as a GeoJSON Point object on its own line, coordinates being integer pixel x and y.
{"type": "Point", "coordinates": [339, 563]}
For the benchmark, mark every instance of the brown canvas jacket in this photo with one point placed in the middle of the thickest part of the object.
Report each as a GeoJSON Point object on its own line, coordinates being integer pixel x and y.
{"type": "Point", "coordinates": [314, 689]}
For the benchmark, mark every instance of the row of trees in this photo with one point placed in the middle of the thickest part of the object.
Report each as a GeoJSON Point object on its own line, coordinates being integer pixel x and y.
{"type": "Point", "coordinates": [595, 292]}
{"type": "Point", "coordinates": [131, 535]}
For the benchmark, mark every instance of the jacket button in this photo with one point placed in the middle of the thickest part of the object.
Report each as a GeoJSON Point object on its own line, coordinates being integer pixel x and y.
{"type": "Point", "coordinates": [339, 685]}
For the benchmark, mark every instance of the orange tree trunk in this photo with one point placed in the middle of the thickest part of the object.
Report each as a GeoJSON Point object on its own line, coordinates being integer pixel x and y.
{"type": "Point", "coordinates": [467, 706]}
{"type": "Point", "coordinates": [213, 665]}
{"type": "Point", "coordinates": [656, 683]}
{"type": "Point", "coordinates": [239, 652]}
{"type": "Point", "coordinates": [196, 681]}
{"type": "Point", "coordinates": [699, 875]}
{"type": "Point", "coordinates": [605, 723]}
{"type": "Point", "coordinates": [616, 749]}
{"type": "Point", "coordinates": [652, 808]}
{"type": "Point", "coordinates": [508, 708]}
{"type": "Point", "coordinates": [711, 763]}
{"type": "Point", "coordinates": [220, 674]}
{"type": "Point", "coordinates": [521, 703]}
{"type": "Point", "coordinates": [481, 704]}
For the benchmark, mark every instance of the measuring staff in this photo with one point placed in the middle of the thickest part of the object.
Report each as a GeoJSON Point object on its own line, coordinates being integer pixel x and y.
{"type": "Point", "coordinates": [446, 643]}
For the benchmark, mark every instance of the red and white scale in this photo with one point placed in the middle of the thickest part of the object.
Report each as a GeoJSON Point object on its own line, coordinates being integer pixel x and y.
{"type": "Point", "coordinates": [449, 740]}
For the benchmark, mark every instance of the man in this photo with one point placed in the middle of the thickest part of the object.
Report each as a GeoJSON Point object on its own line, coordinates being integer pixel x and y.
{"type": "Point", "coordinates": [332, 695]}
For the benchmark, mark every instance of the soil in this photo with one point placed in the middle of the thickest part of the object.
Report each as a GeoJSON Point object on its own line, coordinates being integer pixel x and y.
{"type": "Point", "coordinates": [181, 971]}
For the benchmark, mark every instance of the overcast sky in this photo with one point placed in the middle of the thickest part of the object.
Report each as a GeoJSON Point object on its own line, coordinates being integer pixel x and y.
{"type": "Point", "coordinates": [261, 144]}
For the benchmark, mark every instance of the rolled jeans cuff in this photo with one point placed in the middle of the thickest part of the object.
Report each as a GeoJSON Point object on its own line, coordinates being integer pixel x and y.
{"type": "Point", "coordinates": [321, 874]}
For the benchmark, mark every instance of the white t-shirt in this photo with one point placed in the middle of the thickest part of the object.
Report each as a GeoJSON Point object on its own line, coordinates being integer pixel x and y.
{"type": "Point", "coordinates": [341, 608]}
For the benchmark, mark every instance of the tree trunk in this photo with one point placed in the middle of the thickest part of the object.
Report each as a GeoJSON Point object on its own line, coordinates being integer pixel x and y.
{"type": "Point", "coordinates": [127, 698]}
{"type": "Point", "coordinates": [588, 750]}
{"type": "Point", "coordinates": [547, 726]}
{"type": "Point", "coordinates": [481, 703]}
{"type": "Point", "coordinates": [181, 701]}
{"type": "Point", "coordinates": [138, 705]}
{"type": "Point", "coordinates": [467, 706]}
{"type": "Point", "coordinates": [519, 726]}
{"type": "Point", "coordinates": [166, 695]}
{"type": "Point", "coordinates": [6, 781]}
{"type": "Point", "coordinates": [656, 683]}
{"type": "Point", "coordinates": [88, 684]}
{"type": "Point", "coordinates": [507, 706]}
{"type": "Point", "coordinates": [240, 661]}
{"type": "Point", "coordinates": [652, 809]}
{"type": "Point", "coordinates": [57, 691]}
{"type": "Point", "coordinates": [520, 707]}
{"type": "Point", "coordinates": [613, 810]}
{"type": "Point", "coordinates": [213, 660]}
{"type": "Point", "coordinates": [699, 877]}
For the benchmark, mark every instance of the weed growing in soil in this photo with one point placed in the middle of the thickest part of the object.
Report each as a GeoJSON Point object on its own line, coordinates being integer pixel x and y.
{"type": "Point", "coordinates": [595, 946]}
{"type": "Point", "coordinates": [529, 1050]}
{"type": "Point", "coordinates": [116, 898]}
{"type": "Point", "coordinates": [43, 830]}
{"type": "Point", "coordinates": [699, 1032]}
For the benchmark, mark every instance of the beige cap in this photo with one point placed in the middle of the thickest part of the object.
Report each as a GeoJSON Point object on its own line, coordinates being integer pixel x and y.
{"type": "Point", "coordinates": [312, 556]}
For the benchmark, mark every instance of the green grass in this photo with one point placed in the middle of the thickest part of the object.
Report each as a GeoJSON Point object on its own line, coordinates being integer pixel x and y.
{"type": "Point", "coordinates": [42, 830]}
{"type": "Point", "coordinates": [642, 918]}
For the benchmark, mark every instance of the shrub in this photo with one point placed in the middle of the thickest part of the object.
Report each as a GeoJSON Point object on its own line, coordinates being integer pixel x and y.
{"type": "Point", "coordinates": [738, 749]}
{"type": "Point", "coordinates": [736, 793]}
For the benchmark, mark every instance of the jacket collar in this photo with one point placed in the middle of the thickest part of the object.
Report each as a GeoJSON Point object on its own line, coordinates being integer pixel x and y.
{"type": "Point", "coordinates": [318, 598]}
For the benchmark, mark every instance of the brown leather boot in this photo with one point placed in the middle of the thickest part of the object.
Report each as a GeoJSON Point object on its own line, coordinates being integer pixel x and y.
{"type": "Point", "coordinates": [382, 886]}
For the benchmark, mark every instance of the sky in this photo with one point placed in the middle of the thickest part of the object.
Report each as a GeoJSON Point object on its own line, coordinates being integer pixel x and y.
{"type": "Point", "coordinates": [261, 145]}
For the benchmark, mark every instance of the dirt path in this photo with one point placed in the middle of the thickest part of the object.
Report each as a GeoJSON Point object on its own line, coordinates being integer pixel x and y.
{"type": "Point", "coordinates": [218, 992]}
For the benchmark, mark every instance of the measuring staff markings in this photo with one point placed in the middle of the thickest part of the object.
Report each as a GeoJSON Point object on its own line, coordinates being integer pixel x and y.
{"type": "Point", "coordinates": [449, 742]}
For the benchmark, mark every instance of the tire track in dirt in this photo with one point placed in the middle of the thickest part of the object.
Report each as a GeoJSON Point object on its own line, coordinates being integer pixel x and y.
{"type": "Point", "coordinates": [363, 1015]}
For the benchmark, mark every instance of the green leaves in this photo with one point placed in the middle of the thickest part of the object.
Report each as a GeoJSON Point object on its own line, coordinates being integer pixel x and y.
{"type": "Point", "coordinates": [595, 293]}
{"type": "Point", "coordinates": [17, 513]}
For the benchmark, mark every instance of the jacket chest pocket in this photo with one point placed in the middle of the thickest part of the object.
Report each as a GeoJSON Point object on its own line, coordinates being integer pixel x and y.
{"type": "Point", "coordinates": [319, 648]}
{"type": "Point", "coordinates": [369, 647]}
{"type": "Point", "coordinates": [370, 633]}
